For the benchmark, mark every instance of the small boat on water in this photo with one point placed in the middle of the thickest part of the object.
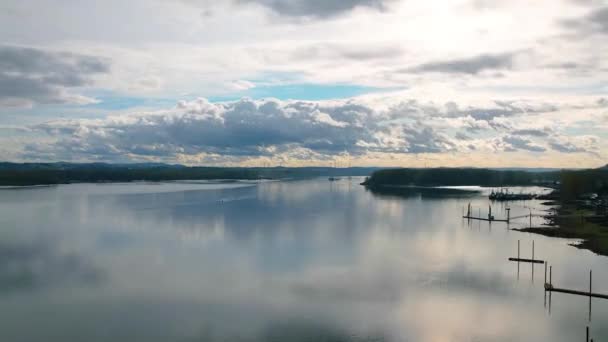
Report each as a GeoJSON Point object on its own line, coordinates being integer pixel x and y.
{"type": "Point", "coordinates": [333, 179]}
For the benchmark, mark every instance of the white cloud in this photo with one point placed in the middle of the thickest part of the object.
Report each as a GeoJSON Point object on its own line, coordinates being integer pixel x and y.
{"type": "Point", "coordinates": [475, 76]}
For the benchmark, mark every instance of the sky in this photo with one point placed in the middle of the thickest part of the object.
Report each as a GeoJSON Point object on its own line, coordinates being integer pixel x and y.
{"type": "Point", "coordinates": [484, 83]}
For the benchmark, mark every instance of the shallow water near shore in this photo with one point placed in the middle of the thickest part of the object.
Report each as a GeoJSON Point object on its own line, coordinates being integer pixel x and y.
{"type": "Point", "coordinates": [307, 260]}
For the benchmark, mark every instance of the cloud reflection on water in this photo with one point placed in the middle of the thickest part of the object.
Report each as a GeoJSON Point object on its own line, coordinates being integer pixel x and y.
{"type": "Point", "coordinates": [295, 260]}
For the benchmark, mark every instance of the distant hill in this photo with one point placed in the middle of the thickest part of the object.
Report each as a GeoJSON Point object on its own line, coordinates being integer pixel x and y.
{"type": "Point", "coordinates": [61, 172]}
{"type": "Point", "coordinates": [73, 166]}
{"type": "Point", "coordinates": [531, 169]}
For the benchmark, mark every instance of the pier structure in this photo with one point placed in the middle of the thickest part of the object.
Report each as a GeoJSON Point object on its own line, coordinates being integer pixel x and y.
{"type": "Point", "coordinates": [490, 218]}
{"type": "Point", "coordinates": [519, 259]}
{"type": "Point", "coordinates": [550, 288]}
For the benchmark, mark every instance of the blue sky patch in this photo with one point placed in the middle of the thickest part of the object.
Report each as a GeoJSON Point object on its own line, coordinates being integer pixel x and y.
{"type": "Point", "coordinates": [303, 91]}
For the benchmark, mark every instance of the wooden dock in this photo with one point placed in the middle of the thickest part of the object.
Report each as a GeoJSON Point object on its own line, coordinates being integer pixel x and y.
{"type": "Point", "coordinates": [550, 288]}
{"type": "Point", "coordinates": [527, 260]}
{"type": "Point", "coordinates": [533, 261]}
{"type": "Point", "coordinates": [484, 219]}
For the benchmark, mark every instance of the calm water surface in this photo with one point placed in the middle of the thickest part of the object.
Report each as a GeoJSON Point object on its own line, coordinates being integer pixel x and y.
{"type": "Point", "coordinates": [279, 261]}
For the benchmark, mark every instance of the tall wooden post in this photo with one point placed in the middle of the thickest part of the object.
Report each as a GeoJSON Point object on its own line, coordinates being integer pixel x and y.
{"type": "Point", "coordinates": [533, 264]}
{"type": "Point", "coordinates": [590, 281]}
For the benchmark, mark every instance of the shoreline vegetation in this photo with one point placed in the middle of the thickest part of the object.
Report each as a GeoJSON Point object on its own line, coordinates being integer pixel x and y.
{"type": "Point", "coordinates": [581, 196]}
{"type": "Point", "coordinates": [422, 191]}
{"type": "Point", "coordinates": [29, 174]}
{"type": "Point", "coordinates": [461, 177]}
{"type": "Point", "coordinates": [572, 222]}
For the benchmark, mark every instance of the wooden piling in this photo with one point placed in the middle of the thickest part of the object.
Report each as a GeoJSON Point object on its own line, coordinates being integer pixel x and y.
{"type": "Point", "coordinates": [590, 292]}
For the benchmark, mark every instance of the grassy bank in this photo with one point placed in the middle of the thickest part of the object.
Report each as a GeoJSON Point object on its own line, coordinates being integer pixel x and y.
{"type": "Point", "coordinates": [573, 222]}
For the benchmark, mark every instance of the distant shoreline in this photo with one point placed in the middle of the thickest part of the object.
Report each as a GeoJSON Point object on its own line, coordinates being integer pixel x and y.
{"type": "Point", "coordinates": [12, 174]}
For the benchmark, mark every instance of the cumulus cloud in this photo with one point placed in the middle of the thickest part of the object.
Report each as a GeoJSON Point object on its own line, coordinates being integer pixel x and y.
{"type": "Point", "coordinates": [29, 75]}
{"type": "Point", "coordinates": [240, 129]}
{"type": "Point", "coordinates": [487, 112]}
{"type": "Point", "coordinates": [201, 132]}
{"type": "Point", "coordinates": [316, 8]}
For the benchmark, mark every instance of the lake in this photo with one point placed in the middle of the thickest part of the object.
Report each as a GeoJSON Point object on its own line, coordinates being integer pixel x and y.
{"type": "Point", "coordinates": [306, 260]}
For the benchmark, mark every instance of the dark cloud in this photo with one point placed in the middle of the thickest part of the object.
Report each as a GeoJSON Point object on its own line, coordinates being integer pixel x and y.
{"type": "Point", "coordinates": [462, 136]}
{"type": "Point", "coordinates": [500, 109]}
{"type": "Point", "coordinates": [316, 8]}
{"type": "Point", "coordinates": [595, 22]}
{"type": "Point", "coordinates": [565, 65]}
{"type": "Point", "coordinates": [533, 132]}
{"type": "Point", "coordinates": [422, 139]}
{"type": "Point", "coordinates": [497, 109]}
{"type": "Point", "coordinates": [565, 147]}
{"type": "Point", "coordinates": [471, 65]}
{"type": "Point", "coordinates": [578, 144]}
{"type": "Point", "coordinates": [29, 75]}
{"type": "Point", "coordinates": [517, 143]}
